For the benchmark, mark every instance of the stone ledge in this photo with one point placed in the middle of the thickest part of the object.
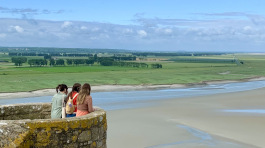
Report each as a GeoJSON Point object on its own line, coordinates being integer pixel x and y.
{"type": "Point", "coordinates": [85, 131]}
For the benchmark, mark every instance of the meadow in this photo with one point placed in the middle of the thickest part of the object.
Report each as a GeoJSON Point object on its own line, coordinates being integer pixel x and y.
{"type": "Point", "coordinates": [26, 78]}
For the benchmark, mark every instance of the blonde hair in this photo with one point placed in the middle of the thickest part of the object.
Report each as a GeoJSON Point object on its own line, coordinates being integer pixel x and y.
{"type": "Point", "coordinates": [85, 91]}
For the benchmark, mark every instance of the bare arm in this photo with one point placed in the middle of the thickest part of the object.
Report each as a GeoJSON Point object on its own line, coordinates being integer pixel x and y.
{"type": "Point", "coordinates": [90, 104]}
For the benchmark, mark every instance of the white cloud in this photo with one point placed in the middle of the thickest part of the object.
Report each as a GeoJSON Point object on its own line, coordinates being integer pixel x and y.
{"type": "Point", "coordinates": [165, 31]}
{"type": "Point", "coordinates": [29, 11]}
{"type": "Point", "coordinates": [83, 28]}
{"type": "Point", "coordinates": [164, 34]}
{"type": "Point", "coordinates": [19, 29]}
{"type": "Point", "coordinates": [142, 33]}
{"type": "Point", "coordinates": [66, 24]}
{"type": "Point", "coordinates": [247, 28]}
{"type": "Point", "coordinates": [16, 29]}
{"type": "Point", "coordinates": [168, 31]}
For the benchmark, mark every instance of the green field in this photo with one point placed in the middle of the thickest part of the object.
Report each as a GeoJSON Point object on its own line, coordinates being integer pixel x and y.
{"type": "Point", "coordinates": [14, 79]}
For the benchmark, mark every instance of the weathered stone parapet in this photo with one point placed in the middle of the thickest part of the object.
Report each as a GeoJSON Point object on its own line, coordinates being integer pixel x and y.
{"type": "Point", "coordinates": [85, 131]}
{"type": "Point", "coordinates": [25, 111]}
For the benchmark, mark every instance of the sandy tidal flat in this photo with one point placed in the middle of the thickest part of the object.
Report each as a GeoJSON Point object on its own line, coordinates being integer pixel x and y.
{"type": "Point", "coordinates": [220, 120]}
{"type": "Point", "coordinates": [191, 122]}
{"type": "Point", "coordinates": [100, 88]}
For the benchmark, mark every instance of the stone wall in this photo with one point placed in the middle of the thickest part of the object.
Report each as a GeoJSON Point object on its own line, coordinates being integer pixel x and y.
{"type": "Point", "coordinates": [25, 111]}
{"type": "Point", "coordinates": [33, 127]}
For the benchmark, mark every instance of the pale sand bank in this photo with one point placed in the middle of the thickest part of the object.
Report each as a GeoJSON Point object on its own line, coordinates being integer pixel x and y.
{"type": "Point", "coordinates": [103, 88]}
{"type": "Point", "coordinates": [100, 88]}
{"type": "Point", "coordinates": [162, 125]}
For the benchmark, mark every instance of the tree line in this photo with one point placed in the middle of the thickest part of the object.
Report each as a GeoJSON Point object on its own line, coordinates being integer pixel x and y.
{"type": "Point", "coordinates": [61, 62]}
{"type": "Point", "coordinates": [202, 60]}
{"type": "Point", "coordinates": [50, 54]}
{"type": "Point", "coordinates": [144, 54]}
{"type": "Point", "coordinates": [130, 64]}
{"type": "Point", "coordinates": [60, 50]}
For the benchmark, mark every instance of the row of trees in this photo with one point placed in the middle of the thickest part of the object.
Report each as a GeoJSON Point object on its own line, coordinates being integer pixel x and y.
{"type": "Point", "coordinates": [37, 62]}
{"type": "Point", "coordinates": [60, 50]}
{"type": "Point", "coordinates": [50, 54]}
{"type": "Point", "coordinates": [42, 62]}
{"type": "Point", "coordinates": [124, 58]}
{"type": "Point", "coordinates": [176, 54]}
{"type": "Point", "coordinates": [203, 60]}
{"type": "Point", "coordinates": [61, 62]}
{"type": "Point", "coordinates": [80, 61]}
{"type": "Point", "coordinates": [25, 54]}
{"type": "Point", "coordinates": [130, 64]}
{"type": "Point", "coordinates": [156, 65]}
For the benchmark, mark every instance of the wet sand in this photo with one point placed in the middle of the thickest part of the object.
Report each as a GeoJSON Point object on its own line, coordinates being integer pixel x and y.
{"type": "Point", "coordinates": [191, 122]}
{"type": "Point", "coordinates": [182, 122]}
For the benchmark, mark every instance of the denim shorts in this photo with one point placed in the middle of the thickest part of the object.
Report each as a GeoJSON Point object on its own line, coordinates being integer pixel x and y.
{"type": "Point", "coordinates": [70, 115]}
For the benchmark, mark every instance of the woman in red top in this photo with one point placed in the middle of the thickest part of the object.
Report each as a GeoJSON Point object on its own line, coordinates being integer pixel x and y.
{"type": "Point", "coordinates": [84, 101]}
{"type": "Point", "coordinates": [73, 95]}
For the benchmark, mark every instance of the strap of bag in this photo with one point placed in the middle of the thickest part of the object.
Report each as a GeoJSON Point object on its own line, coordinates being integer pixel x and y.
{"type": "Point", "coordinates": [63, 103]}
{"type": "Point", "coordinates": [63, 108]}
{"type": "Point", "coordinates": [75, 95]}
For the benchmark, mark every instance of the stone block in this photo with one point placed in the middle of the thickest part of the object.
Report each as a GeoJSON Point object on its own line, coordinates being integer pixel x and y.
{"type": "Point", "coordinates": [95, 133]}
{"type": "Point", "coordinates": [84, 136]}
{"type": "Point", "coordinates": [101, 133]}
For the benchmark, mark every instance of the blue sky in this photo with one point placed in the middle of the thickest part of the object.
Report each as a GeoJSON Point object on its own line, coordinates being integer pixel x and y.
{"type": "Point", "coordinates": [150, 25]}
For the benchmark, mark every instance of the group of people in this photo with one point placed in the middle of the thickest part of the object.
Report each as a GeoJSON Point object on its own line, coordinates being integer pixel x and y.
{"type": "Point", "coordinates": [80, 100]}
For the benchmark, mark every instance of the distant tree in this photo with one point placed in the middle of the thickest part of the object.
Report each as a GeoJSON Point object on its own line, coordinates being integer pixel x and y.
{"type": "Point", "coordinates": [19, 60]}
{"type": "Point", "coordinates": [156, 65]}
{"type": "Point", "coordinates": [37, 62]}
{"type": "Point", "coordinates": [31, 62]}
{"type": "Point", "coordinates": [29, 54]}
{"type": "Point", "coordinates": [78, 61]}
{"type": "Point", "coordinates": [141, 65]}
{"type": "Point", "coordinates": [59, 62]}
{"type": "Point", "coordinates": [131, 64]}
{"type": "Point", "coordinates": [130, 58]}
{"type": "Point", "coordinates": [106, 63]}
{"type": "Point", "coordinates": [52, 62]}
{"type": "Point", "coordinates": [89, 61]}
{"type": "Point", "coordinates": [69, 62]}
{"type": "Point", "coordinates": [12, 54]}
{"type": "Point", "coordinates": [46, 56]}
{"type": "Point", "coordinates": [96, 57]}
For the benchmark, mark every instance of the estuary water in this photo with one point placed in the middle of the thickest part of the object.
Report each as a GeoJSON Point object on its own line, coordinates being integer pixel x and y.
{"type": "Point", "coordinates": [132, 99]}
{"type": "Point", "coordinates": [117, 100]}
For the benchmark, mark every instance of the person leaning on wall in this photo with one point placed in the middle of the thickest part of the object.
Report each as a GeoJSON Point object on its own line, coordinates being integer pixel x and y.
{"type": "Point", "coordinates": [84, 101]}
{"type": "Point", "coordinates": [57, 101]}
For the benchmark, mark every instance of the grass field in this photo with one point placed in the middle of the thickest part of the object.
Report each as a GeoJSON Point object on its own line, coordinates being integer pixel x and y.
{"type": "Point", "coordinates": [14, 79]}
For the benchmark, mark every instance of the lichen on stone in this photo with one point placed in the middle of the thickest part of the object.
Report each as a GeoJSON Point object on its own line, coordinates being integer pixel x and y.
{"type": "Point", "coordinates": [27, 131]}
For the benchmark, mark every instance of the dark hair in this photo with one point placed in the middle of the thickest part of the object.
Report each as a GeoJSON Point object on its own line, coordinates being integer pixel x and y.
{"type": "Point", "coordinates": [61, 87]}
{"type": "Point", "coordinates": [76, 87]}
